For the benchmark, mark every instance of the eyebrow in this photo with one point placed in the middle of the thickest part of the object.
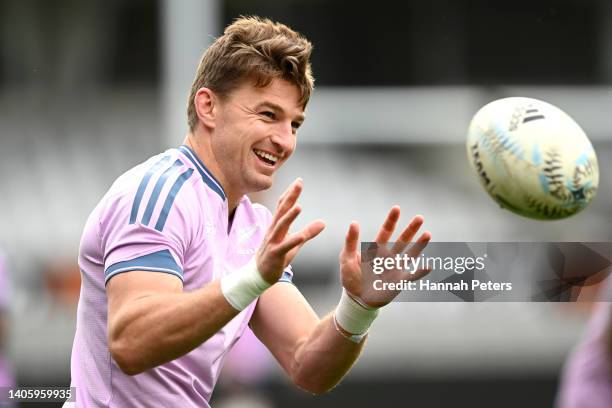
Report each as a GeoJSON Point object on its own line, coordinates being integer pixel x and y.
{"type": "Point", "coordinates": [300, 118]}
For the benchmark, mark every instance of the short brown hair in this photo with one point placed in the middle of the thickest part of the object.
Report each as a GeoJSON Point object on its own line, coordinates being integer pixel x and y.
{"type": "Point", "coordinates": [256, 49]}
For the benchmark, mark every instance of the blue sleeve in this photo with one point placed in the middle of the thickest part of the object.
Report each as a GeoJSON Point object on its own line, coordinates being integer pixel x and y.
{"type": "Point", "coordinates": [287, 275]}
{"type": "Point", "coordinates": [160, 261]}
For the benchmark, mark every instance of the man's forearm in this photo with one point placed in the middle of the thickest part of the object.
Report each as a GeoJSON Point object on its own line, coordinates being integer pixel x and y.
{"type": "Point", "coordinates": [158, 328]}
{"type": "Point", "coordinates": [324, 357]}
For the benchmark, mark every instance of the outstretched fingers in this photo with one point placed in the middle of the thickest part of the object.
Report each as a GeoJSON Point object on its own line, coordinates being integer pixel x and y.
{"type": "Point", "coordinates": [407, 235]}
{"type": "Point", "coordinates": [386, 231]}
{"type": "Point", "coordinates": [288, 199]}
{"type": "Point", "coordinates": [352, 238]}
{"type": "Point", "coordinates": [418, 247]}
{"type": "Point", "coordinates": [301, 237]}
{"type": "Point", "coordinates": [284, 223]}
{"type": "Point", "coordinates": [312, 230]}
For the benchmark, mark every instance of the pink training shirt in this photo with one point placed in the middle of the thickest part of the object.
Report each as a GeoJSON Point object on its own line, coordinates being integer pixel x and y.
{"type": "Point", "coordinates": [586, 380]}
{"type": "Point", "coordinates": [166, 215]}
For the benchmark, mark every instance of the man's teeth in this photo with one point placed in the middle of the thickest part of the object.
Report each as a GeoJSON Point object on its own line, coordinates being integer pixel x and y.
{"type": "Point", "coordinates": [267, 156]}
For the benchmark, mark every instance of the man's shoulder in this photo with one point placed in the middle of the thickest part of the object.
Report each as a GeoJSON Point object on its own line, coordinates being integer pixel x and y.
{"type": "Point", "coordinates": [132, 177]}
{"type": "Point", "coordinates": [148, 192]}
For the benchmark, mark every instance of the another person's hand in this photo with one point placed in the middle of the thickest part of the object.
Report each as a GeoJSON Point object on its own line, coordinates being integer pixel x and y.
{"type": "Point", "coordinates": [279, 247]}
{"type": "Point", "coordinates": [359, 285]}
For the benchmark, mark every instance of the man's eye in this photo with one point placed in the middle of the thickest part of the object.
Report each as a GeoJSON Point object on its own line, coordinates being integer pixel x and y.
{"type": "Point", "coordinates": [269, 114]}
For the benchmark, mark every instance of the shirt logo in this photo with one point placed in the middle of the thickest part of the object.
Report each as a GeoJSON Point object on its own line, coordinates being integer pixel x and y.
{"type": "Point", "coordinates": [210, 229]}
{"type": "Point", "coordinates": [246, 233]}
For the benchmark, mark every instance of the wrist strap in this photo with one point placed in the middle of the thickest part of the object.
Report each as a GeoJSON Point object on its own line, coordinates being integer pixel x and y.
{"type": "Point", "coordinates": [243, 286]}
{"type": "Point", "coordinates": [354, 317]}
{"type": "Point", "coordinates": [355, 338]}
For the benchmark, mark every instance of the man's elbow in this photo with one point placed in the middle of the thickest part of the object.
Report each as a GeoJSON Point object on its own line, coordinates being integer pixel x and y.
{"type": "Point", "coordinates": [125, 357]}
{"type": "Point", "coordinates": [311, 385]}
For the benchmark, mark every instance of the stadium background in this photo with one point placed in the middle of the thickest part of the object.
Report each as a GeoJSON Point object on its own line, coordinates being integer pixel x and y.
{"type": "Point", "coordinates": [90, 88]}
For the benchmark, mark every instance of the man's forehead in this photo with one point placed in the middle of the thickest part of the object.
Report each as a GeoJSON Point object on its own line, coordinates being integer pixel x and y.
{"type": "Point", "coordinates": [279, 94]}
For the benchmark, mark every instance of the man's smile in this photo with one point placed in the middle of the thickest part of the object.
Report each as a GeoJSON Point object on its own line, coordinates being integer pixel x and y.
{"type": "Point", "coordinates": [268, 158]}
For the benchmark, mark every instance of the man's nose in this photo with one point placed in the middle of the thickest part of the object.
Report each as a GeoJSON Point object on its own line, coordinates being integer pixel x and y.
{"type": "Point", "coordinates": [283, 136]}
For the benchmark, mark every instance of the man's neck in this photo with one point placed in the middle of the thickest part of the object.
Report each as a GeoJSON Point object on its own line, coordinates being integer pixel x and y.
{"type": "Point", "coordinates": [204, 153]}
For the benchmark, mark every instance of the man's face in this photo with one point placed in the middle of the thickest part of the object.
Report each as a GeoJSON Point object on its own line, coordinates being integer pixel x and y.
{"type": "Point", "coordinates": [256, 133]}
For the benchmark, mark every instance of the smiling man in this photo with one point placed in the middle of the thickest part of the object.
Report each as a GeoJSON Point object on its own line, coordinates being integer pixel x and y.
{"type": "Point", "coordinates": [176, 261]}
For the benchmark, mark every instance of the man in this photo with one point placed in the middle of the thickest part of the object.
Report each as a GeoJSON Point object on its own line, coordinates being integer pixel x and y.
{"type": "Point", "coordinates": [586, 380]}
{"type": "Point", "coordinates": [176, 260]}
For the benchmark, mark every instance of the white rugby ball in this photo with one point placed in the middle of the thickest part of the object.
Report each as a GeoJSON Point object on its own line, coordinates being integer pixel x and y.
{"type": "Point", "coordinates": [532, 158]}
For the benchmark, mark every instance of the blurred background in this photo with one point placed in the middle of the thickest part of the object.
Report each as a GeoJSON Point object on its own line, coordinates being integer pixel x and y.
{"type": "Point", "coordinates": [90, 88]}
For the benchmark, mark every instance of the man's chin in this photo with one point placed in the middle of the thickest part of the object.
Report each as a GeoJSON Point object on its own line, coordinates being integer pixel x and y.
{"type": "Point", "coordinates": [261, 183]}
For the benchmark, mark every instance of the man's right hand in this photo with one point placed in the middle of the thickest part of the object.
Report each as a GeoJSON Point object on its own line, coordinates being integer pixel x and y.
{"type": "Point", "coordinates": [279, 247]}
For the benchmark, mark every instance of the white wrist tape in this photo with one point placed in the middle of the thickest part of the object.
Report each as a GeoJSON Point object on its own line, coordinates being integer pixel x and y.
{"type": "Point", "coordinates": [354, 317]}
{"type": "Point", "coordinates": [242, 287]}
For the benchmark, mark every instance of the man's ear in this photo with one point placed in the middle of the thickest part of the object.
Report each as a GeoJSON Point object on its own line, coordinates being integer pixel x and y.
{"type": "Point", "coordinates": [205, 104]}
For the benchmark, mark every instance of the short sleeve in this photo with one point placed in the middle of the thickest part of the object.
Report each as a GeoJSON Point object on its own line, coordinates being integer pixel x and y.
{"type": "Point", "coordinates": [150, 227]}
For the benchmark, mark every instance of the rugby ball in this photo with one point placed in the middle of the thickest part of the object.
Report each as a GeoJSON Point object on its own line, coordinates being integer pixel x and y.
{"type": "Point", "coordinates": [532, 158]}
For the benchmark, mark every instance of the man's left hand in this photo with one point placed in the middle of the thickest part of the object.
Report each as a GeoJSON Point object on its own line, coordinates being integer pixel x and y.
{"type": "Point", "coordinates": [359, 285]}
